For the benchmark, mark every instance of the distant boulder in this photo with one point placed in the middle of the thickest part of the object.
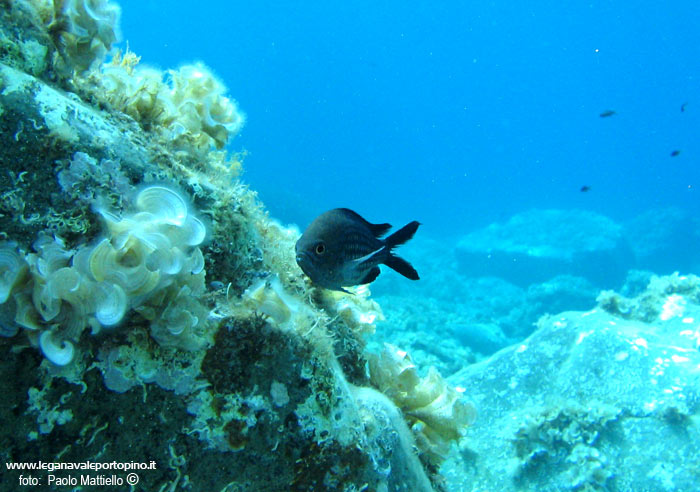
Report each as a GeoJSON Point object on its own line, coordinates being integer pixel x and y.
{"type": "Point", "coordinates": [537, 245]}
{"type": "Point", "coordinates": [664, 240]}
{"type": "Point", "coordinates": [484, 338]}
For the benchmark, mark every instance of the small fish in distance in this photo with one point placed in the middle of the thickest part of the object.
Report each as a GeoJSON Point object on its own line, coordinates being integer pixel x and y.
{"type": "Point", "coordinates": [607, 113]}
{"type": "Point", "coordinates": [341, 249]}
{"type": "Point", "coordinates": [585, 188]}
{"type": "Point", "coordinates": [675, 153]}
{"type": "Point", "coordinates": [683, 106]}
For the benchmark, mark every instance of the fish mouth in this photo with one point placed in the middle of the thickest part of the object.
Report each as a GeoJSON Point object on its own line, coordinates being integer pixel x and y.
{"type": "Point", "coordinates": [304, 261]}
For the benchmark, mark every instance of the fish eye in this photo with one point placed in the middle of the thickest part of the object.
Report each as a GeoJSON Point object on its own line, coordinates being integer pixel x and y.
{"type": "Point", "coordinates": [320, 248]}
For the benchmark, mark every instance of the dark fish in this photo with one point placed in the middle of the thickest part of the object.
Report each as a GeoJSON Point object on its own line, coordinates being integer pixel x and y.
{"type": "Point", "coordinates": [340, 249]}
{"type": "Point", "coordinates": [607, 113]}
{"type": "Point", "coordinates": [675, 153]}
{"type": "Point", "coordinates": [585, 188]}
{"type": "Point", "coordinates": [683, 107]}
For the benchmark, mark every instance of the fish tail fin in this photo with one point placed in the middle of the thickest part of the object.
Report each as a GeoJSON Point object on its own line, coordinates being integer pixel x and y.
{"type": "Point", "coordinates": [402, 235]}
{"type": "Point", "coordinates": [396, 239]}
{"type": "Point", "coordinates": [402, 266]}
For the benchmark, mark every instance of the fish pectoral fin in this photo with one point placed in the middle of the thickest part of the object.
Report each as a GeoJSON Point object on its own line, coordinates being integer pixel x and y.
{"type": "Point", "coordinates": [367, 257]}
{"type": "Point", "coordinates": [371, 276]}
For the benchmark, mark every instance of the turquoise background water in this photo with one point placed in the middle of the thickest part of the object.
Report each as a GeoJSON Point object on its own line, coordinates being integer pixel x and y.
{"type": "Point", "coordinates": [456, 114]}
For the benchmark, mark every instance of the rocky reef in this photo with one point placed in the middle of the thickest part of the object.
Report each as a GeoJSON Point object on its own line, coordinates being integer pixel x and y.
{"type": "Point", "coordinates": [602, 400]}
{"type": "Point", "coordinates": [450, 319]}
{"type": "Point", "coordinates": [151, 312]}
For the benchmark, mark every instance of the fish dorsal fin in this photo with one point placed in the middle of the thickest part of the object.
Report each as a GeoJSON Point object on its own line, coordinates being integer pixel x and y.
{"type": "Point", "coordinates": [377, 230]}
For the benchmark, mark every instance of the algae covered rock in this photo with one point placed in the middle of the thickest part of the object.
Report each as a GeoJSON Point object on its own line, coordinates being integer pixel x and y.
{"type": "Point", "coordinates": [152, 316]}
{"type": "Point", "coordinates": [592, 401]}
{"type": "Point", "coordinates": [437, 413]}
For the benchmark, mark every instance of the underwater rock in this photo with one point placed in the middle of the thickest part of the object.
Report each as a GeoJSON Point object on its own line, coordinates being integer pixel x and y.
{"type": "Point", "coordinates": [535, 246]}
{"type": "Point", "coordinates": [591, 401]}
{"type": "Point", "coordinates": [654, 233]}
{"type": "Point", "coordinates": [484, 338]}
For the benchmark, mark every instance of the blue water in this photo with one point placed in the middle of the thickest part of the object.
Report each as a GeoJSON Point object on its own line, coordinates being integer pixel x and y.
{"type": "Point", "coordinates": [452, 113]}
